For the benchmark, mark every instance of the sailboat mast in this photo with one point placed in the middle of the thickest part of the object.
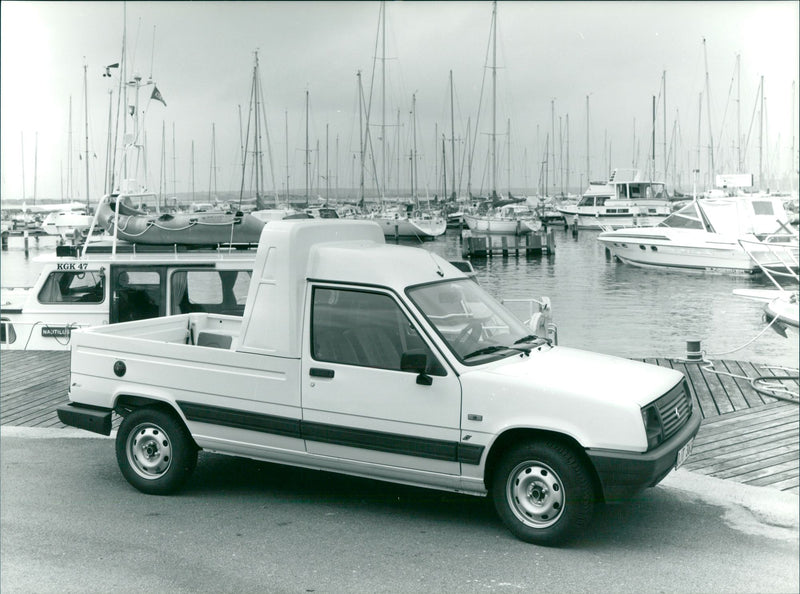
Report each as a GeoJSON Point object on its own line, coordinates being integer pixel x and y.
{"type": "Point", "coordinates": [414, 146]}
{"type": "Point", "coordinates": [286, 126]}
{"type": "Point", "coordinates": [108, 175]}
{"type": "Point", "coordinates": [69, 152]}
{"type": "Point", "coordinates": [444, 168]}
{"type": "Point", "coordinates": [86, 130]}
{"type": "Point", "coordinates": [307, 153]}
{"type": "Point", "coordinates": [567, 143]}
{"type": "Point", "coordinates": [35, 163]}
{"type": "Point", "coordinates": [22, 147]}
{"type": "Point", "coordinates": [508, 138]}
{"type": "Point", "coordinates": [738, 116]}
{"type": "Point", "coordinates": [174, 172]}
{"type": "Point", "coordinates": [494, 99]}
{"type": "Point", "coordinates": [360, 139]}
{"type": "Point", "coordinates": [588, 172]}
{"type": "Point", "coordinates": [553, 146]}
{"type": "Point", "coordinates": [708, 102]}
{"type": "Point", "coordinates": [452, 136]}
{"type": "Point", "coordinates": [664, 116]}
{"type": "Point", "coordinates": [383, 99]}
{"type": "Point", "coordinates": [760, 138]}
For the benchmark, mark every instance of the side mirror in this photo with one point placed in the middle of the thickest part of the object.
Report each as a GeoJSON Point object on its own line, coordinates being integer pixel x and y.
{"type": "Point", "coordinates": [416, 362]}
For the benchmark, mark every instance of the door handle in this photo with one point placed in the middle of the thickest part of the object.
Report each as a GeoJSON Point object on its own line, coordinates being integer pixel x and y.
{"type": "Point", "coordinates": [319, 372]}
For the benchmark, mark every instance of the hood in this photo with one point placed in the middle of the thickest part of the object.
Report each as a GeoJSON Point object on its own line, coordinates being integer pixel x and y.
{"type": "Point", "coordinates": [594, 376]}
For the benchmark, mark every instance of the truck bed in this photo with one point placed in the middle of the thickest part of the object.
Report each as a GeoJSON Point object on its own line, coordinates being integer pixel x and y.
{"type": "Point", "coordinates": [199, 329]}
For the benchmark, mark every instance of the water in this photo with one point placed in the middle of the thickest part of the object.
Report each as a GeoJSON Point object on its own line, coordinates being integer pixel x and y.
{"type": "Point", "coordinates": [598, 304]}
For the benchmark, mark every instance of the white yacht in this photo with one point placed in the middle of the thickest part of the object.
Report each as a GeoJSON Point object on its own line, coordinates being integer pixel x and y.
{"type": "Point", "coordinates": [510, 219]}
{"type": "Point", "coordinates": [625, 200]}
{"type": "Point", "coordinates": [705, 234]}
{"type": "Point", "coordinates": [65, 223]}
{"type": "Point", "coordinates": [404, 223]}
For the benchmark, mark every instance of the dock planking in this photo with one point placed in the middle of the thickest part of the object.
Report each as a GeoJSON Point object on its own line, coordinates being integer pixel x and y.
{"type": "Point", "coordinates": [745, 436]}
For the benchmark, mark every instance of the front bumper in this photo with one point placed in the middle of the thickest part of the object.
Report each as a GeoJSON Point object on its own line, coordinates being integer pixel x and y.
{"type": "Point", "coordinates": [83, 416]}
{"type": "Point", "coordinates": [623, 474]}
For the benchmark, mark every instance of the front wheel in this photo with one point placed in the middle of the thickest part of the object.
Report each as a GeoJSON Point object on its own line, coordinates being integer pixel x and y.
{"type": "Point", "coordinates": [543, 493]}
{"type": "Point", "coordinates": [155, 452]}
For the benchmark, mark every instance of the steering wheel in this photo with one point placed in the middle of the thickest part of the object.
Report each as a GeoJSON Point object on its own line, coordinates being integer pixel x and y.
{"type": "Point", "coordinates": [470, 332]}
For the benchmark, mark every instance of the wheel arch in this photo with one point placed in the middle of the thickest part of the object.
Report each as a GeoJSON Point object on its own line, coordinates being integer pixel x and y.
{"type": "Point", "coordinates": [125, 403]}
{"type": "Point", "coordinates": [512, 437]}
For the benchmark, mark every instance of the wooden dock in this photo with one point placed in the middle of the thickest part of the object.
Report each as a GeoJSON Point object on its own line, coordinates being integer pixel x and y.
{"type": "Point", "coordinates": [746, 435]}
{"type": "Point", "coordinates": [481, 245]}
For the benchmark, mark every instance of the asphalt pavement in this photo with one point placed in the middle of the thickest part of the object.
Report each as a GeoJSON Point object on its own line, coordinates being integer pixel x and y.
{"type": "Point", "coordinates": [69, 522]}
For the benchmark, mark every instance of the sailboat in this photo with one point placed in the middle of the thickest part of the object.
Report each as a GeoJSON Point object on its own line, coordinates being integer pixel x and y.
{"type": "Point", "coordinates": [498, 217]}
{"type": "Point", "coordinates": [410, 220]}
{"type": "Point", "coordinates": [71, 220]}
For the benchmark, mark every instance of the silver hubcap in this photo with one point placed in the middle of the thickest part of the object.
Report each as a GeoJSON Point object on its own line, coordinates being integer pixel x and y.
{"type": "Point", "coordinates": [149, 451]}
{"type": "Point", "coordinates": [535, 494]}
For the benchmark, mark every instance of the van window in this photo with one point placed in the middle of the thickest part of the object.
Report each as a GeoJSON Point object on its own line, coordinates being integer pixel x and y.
{"type": "Point", "coordinates": [73, 287]}
{"type": "Point", "coordinates": [210, 291]}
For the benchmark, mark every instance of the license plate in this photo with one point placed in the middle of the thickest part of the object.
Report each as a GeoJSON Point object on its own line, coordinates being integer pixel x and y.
{"type": "Point", "coordinates": [683, 453]}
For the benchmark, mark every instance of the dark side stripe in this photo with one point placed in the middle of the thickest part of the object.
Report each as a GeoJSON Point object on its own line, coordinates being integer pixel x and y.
{"type": "Point", "coordinates": [436, 449]}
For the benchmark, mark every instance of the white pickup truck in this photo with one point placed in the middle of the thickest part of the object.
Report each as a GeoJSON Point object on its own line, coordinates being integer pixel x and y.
{"type": "Point", "coordinates": [386, 362]}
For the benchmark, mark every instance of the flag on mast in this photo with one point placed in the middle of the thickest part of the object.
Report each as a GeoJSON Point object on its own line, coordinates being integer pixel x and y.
{"type": "Point", "coordinates": [157, 95]}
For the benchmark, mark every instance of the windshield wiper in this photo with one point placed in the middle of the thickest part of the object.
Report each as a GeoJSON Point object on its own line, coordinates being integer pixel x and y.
{"type": "Point", "coordinates": [493, 349]}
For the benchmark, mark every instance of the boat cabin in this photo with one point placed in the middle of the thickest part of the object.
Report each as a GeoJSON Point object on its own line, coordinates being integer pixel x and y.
{"type": "Point", "coordinates": [104, 288]}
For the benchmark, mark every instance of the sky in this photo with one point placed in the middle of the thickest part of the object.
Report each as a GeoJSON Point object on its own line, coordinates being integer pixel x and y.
{"type": "Point", "coordinates": [575, 83]}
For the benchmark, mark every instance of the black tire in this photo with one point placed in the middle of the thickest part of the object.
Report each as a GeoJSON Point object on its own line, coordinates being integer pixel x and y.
{"type": "Point", "coordinates": [543, 492]}
{"type": "Point", "coordinates": [155, 452]}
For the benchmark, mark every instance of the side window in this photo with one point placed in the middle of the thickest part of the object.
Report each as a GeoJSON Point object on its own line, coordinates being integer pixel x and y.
{"type": "Point", "coordinates": [211, 291]}
{"type": "Point", "coordinates": [138, 295]}
{"type": "Point", "coordinates": [365, 329]}
{"type": "Point", "coordinates": [73, 287]}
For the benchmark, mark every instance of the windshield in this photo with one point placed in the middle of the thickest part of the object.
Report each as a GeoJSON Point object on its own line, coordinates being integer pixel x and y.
{"type": "Point", "coordinates": [475, 326]}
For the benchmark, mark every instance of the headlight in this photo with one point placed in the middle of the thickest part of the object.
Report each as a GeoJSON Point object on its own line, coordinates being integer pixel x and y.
{"type": "Point", "coordinates": [652, 426]}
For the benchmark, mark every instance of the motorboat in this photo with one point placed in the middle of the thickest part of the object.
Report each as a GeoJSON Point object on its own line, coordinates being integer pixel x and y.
{"type": "Point", "coordinates": [509, 219]}
{"type": "Point", "coordinates": [705, 235]}
{"type": "Point", "coordinates": [781, 304]}
{"type": "Point", "coordinates": [625, 200]}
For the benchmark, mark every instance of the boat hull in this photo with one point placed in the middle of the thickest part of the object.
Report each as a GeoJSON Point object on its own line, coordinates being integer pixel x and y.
{"type": "Point", "coordinates": [501, 226]}
{"type": "Point", "coordinates": [701, 252]}
{"type": "Point", "coordinates": [411, 227]}
{"type": "Point", "coordinates": [784, 310]}
{"type": "Point", "coordinates": [601, 220]}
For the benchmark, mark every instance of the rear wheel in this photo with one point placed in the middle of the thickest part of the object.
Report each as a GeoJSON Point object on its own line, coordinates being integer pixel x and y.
{"type": "Point", "coordinates": [543, 492]}
{"type": "Point", "coordinates": [155, 452]}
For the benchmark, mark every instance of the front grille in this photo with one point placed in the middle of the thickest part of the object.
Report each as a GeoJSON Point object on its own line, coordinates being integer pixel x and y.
{"type": "Point", "coordinates": [674, 409]}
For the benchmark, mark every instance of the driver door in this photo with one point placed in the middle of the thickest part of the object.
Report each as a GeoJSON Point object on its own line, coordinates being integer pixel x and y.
{"type": "Point", "coordinates": [359, 405]}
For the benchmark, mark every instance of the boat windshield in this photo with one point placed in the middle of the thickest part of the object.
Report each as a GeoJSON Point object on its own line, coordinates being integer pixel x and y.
{"type": "Point", "coordinates": [687, 217]}
{"type": "Point", "coordinates": [475, 326]}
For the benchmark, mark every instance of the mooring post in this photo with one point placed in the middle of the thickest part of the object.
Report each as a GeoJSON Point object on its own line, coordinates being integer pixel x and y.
{"type": "Point", "coordinates": [551, 241]}
{"type": "Point", "coordinates": [25, 240]}
{"type": "Point", "coordinates": [693, 351]}
{"type": "Point", "coordinates": [396, 233]}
